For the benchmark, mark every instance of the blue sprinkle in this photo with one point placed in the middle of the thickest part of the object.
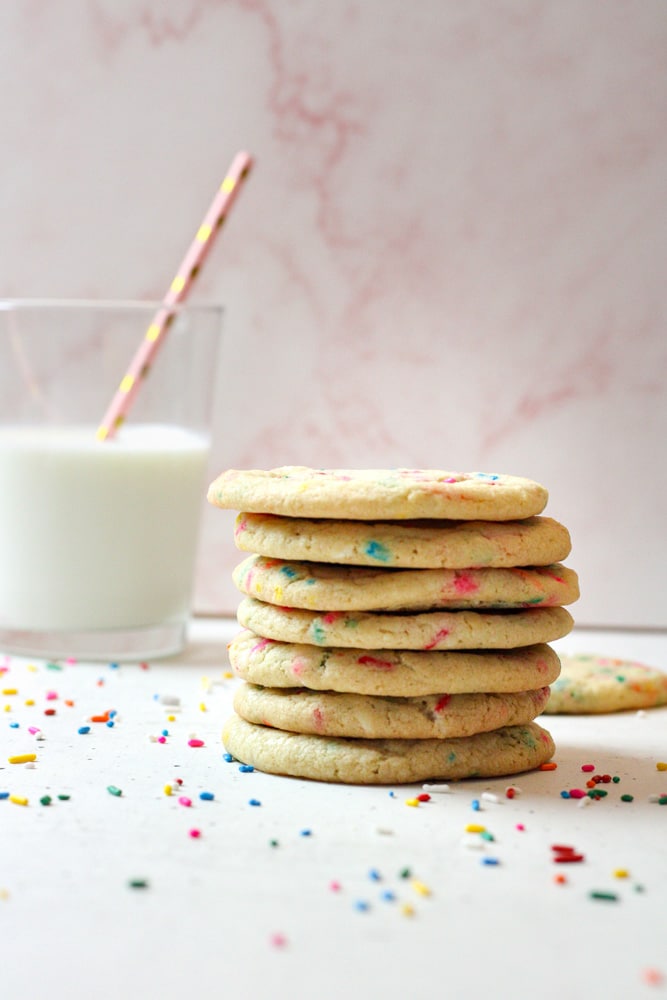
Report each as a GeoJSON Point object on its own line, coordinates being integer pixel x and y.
{"type": "Point", "coordinates": [388, 896]}
{"type": "Point", "coordinates": [165, 732]}
{"type": "Point", "coordinates": [113, 714]}
{"type": "Point", "coordinates": [246, 768]}
{"type": "Point", "coordinates": [475, 805]}
{"type": "Point", "coordinates": [14, 725]}
{"type": "Point", "coordinates": [306, 833]}
{"type": "Point", "coordinates": [254, 802]}
{"type": "Point", "coordinates": [228, 757]}
{"type": "Point", "coordinates": [206, 796]}
{"type": "Point", "coordinates": [82, 730]}
{"type": "Point", "coordinates": [288, 572]}
{"type": "Point", "coordinates": [4, 795]}
{"type": "Point", "coordinates": [114, 666]}
{"type": "Point", "coordinates": [565, 794]}
{"type": "Point", "coordinates": [361, 905]}
{"type": "Point", "coordinates": [110, 724]}
{"type": "Point", "coordinates": [374, 875]}
{"type": "Point", "coordinates": [486, 475]}
{"type": "Point", "coordinates": [376, 550]}
{"type": "Point", "coordinates": [392, 795]}
{"type": "Point", "coordinates": [490, 861]}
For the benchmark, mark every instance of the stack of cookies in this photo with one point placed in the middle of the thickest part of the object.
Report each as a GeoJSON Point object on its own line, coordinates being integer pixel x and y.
{"type": "Point", "coordinates": [396, 622]}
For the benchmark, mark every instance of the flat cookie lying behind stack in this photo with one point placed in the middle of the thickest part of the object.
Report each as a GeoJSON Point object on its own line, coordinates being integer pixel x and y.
{"type": "Point", "coordinates": [432, 664]}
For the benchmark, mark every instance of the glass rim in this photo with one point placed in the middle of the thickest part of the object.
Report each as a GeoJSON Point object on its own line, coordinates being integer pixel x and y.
{"type": "Point", "coordinates": [8, 303]}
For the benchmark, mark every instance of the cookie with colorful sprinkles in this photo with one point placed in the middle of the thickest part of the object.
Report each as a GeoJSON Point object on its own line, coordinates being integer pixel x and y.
{"type": "Point", "coordinates": [426, 544]}
{"type": "Point", "coordinates": [386, 494]}
{"type": "Point", "coordinates": [437, 716]}
{"type": "Point", "coordinates": [509, 750]}
{"type": "Point", "coordinates": [592, 684]}
{"type": "Point", "coordinates": [427, 631]}
{"type": "Point", "coordinates": [323, 586]}
{"type": "Point", "coordinates": [390, 672]}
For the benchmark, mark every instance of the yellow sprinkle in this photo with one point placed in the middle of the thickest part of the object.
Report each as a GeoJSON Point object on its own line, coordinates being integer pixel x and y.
{"type": "Point", "coordinates": [30, 701]}
{"type": "Point", "coordinates": [9, 691]}
{"type": "Point", "coordinates": [126, 383]}
{"type": "Point", "coordinates": [171, 718]}
{"type": "Point", "coordinates": [407, 910]}
{"type": "Point", "coordinates": [167, 789]}
{"type": "Point", "coordinates": [4, 894]}
{"type": "Point", "coordinates": [102, 432]}
{"type": "Point", "coordinates": [621, 873]}
{"type": "Point", "coordinates": [8, 708]}
{"type": "Point", "coordinates": [32, 667]}
{"type": "Point", "coordinates": [412, 802]}
{"type": "Point", "coordinates": [203, 233]}
{"type": "Point", "coordinates": [475, 828]}
{"type": "Point", "coordinates": [228, 184]}
{"type": "Point", "coordinates": [278, 593]}
{"type": "Point", "coordinates": [19, 800]}
{"type": "Point", "coordinates": [419, 887]}
{"type": "Point", "coordinates": [22, 758]}
{"type": "Point", "coordinates": [228, 674]}
{"type": "Point", "coordinates": [661, 765]}
{"type": "Point", "coordinates": [205, 682]}
{"type": "Point", "coordinates": [153, 332]}
{"type": "Point", "coordinates": [202, 707]}
{"type": "Point", "coordinates": [178, 284]}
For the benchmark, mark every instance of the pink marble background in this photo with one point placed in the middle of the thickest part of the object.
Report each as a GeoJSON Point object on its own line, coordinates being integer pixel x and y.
{"type": "Point", "coordinates": [451, 252]}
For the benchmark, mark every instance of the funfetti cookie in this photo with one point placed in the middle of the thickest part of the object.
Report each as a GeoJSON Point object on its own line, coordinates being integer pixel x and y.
{"type": "Point", "coordinates": [503, 751]}
{"type": "Point", "coordinates": [437, 716]}
{"type": "Point", "coordinates": [590, 684]}
{"type": "Point", "coordinates": [324, 586]}
{"type": "Point", "coordinates": [378, 494]}
{"type": "Point", "coordinates": [390, 672]}
{"type": "Point", "coordinates": [534, 541]}
{"type": "Point", "coordinates": [427, 631]}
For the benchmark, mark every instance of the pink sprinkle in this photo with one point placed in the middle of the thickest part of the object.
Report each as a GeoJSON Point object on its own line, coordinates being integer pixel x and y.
{"type": "Point", "coordinates": [652, 977]}
{"type": "Point", "coordinates": [70, 660]}
{"type": "Point", "coordinates": [195, 834]}
{"type": "Point", "coordinates": [185, 801]}
{"type": "Point", "coordinates": [162, 739]}
{"type": "Point", "coordinates": [577, 793]}
{"type": "Point", "coordinates": [520, 826]}
{"type": "Point", "coordinates": [442, 703]}
{"type": "Point", "coordinates": [437, 638]}
{"type": "Point", "coordinates": [464, 584]}
{"type": "Point", "coordinates": [278, 940]}
{"type": "Point", "coordinates": [195, 743]}
{"type": "Point", "coordinates": [51, 695]}
{"type": "Point", "coordinates": [335, 886]}
{"type": "Point", "coordinates": [33, 729]}
{"type": "Point", "coordinates": [588, 767]}
{"type": "Point", "coordinates": [262, 644]}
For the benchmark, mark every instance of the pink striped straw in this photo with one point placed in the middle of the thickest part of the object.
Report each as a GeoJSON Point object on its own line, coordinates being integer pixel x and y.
{"type": "Point", "coordinates": [178, 290]}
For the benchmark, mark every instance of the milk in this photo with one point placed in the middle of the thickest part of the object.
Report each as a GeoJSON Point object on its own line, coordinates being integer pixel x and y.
{"type": "Point", "coordinates": [98, 535]}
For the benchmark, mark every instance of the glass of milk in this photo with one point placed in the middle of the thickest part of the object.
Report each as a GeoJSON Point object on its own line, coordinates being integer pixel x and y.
{"type": "Point", "coordinates": [98, 539]}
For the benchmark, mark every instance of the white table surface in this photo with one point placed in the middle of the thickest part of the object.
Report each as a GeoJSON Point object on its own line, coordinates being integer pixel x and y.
{"type": "Point", "coordinates": [230, 914]}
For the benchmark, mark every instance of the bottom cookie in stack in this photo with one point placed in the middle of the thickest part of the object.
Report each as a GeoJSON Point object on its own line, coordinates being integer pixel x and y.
{"type": "Point", "coordinates": [383, 716]}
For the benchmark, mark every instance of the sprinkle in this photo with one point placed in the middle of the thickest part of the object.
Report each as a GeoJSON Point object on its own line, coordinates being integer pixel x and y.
{"type": "Point", "coordinates": [475, 828]}
{"type": "Point", "coordinates": [194, 834]}
{"type": "Point", "coordinates": [490, 861]}
{"type": "Point", "coordinates": [82, 730]}
{"type": "Point", "coordinates": [438, 789]}
{"type": "Point", "coordinates": [621, 873]}
{"type": "Point", "coordinates": [586, 801]}
{"type": "Point", "coordinates": [49, 711]}
{"type": "Point", "coordinates": [588, 767]}
{"type": "Point", "coordinates": [170, 699]}
{"type": "Point", "coordinates": [565, 794]}
{"type": "Point", "coordinates": [652, 977]}
{"type": "Point", "coordinates": [661, 765]}
{"type": "Point", "coordinates": [22, 758]}
{"type": "Point", "coordinates": [627, 798]}
{"type": "Point", "coordinates": [254, 802]}
{"type": "Point", "coordinates": [611, 897]}
{"type": "Point", "coordinates": [4, 795]}
{"type": "Point", "coordinates": [520, 827]}
{"type": "Point", "coordinates": [305, 833]}
{"type": "Point", "coordinates": [388, 896]}
{"type": "Point", "coordinates": [185, 801]}
{"type": "Point", "coordinates": [45, 800]}
{"type": "Point", "coordinates": [274, 843]}
{"type": "Point", "coordinates": [335, 886]}
{"type": "Point", "coordinates": [420, 888]}
{"type": "Point", "coordinates": [475, 805]}
{"type": "Point", "coordinates": [64, 798]}
{"type": "Point", "coordinates": [407, 910]}
{"type": "Point", "coordinates": [206, 796]}
{"type": "Point", "coordinates": [549, 766]}
{"type": "Point", "coordinates": [245, 768]}
{"type": "Point", "coordinates": [560, 879]}
{"type": "Point", "coordinates": [278, 940]}
{"type": "Point", "coordinates": [361, 905]}
{"type": "Point", "coordinates": [19, 800]}
{"type": "Point", "coordinates": [404, 873]}
{"type": "Point", "coordinates": [485, 835]}
{"type": "Point", "coordinates": [112, 790]}
{"type": "Point", "coordinates": [577, 793]}
{"type": "Point", "coordinates": [412, 802]}
{"type": "Point", "coordinates": [10, 691]}
{"type": "Point", "coordinates": [33, 730]}
{"type": "Point", "coordinates": [424, 797]}
{"type": "Point", "coordinates": [490, 797]}
{"type": "Point", "coordinates": [138, 883]}
{"type": "Point", "coordinates": [195, 743]}
{"type": "Point", "coordinates": [228, 757]}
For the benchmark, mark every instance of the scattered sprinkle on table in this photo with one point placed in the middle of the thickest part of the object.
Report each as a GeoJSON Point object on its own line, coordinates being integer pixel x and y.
{"type": "Point", "coordinates": [22, 758]}
{"type": "Point", "coordinates": [113, 790]}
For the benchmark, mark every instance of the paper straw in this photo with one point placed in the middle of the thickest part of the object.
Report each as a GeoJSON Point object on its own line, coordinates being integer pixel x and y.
{"type": "Point", "coordinates": [178, 290]}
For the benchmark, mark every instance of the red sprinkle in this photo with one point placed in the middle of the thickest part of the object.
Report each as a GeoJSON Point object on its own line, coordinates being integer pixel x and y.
{"type": "Point", "coordinates": [563, 859]}
{"type": "Point", "coordinates": [549, 766]}
{"type": "Point", "coordinates": [195, 743]}
{"type": "Point", "coordinates": [588, 767]}
{"type": "Point", "coordinates": [49, 711]}
{"type": "Point", "coordinates": [424, 797]}
{"type": "Point", "coordinates": [195, 833]}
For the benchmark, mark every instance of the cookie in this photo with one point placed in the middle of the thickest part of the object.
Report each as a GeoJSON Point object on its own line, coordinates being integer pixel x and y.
{"type": "Point", "coordinates": [386, 762]}
{"type": "Point", "coordinates": [437, 716]}
{"type": "Point", "coordinates": [431, 630]}
{"type": "Point", "coordinates": [385, 494]}
{"type": "Point", "coordinates": [535, 541]}
{"type": "Point", "coordinates": [324, 586]}
{"type": "Point", "coordinates": [591, 684]}
{"type": "Point", "coordinates": [397, 673]}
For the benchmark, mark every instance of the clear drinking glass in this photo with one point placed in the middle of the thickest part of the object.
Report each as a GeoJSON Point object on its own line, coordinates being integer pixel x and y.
{"type": "Point", "coordinates": [98, 539]}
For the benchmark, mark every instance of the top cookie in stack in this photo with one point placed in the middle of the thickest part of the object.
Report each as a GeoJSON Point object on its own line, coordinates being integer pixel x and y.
{"type": "Point", "coordinates": [457, 570]}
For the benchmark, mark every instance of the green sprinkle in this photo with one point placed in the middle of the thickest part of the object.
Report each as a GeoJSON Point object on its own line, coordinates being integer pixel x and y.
{"type": "Point", "coordinates": [112, 790]}
{"type": "Point", "coordinates": [64, 798]}
{"type": "Point", "coordinates": [662, 801]}
{"type": "Point", "coordinates": [609, 896]}
{"type": "Point", "coordinates": [616, 779]}
{"type": "Point", "coordinates": [53, 666]}
{"type": "Point", "coordinates": [45, 800]}
{"type": "Point", "coordinates": [627, 798]}
{"type": "Point", "coordinates": [405, 873]}
{"type": "Point", "coordinates": [273, 843]}
{"type": "Point", "coordinates": [138, 883]}
{"type": "Point", "coordinates": [485, 835]}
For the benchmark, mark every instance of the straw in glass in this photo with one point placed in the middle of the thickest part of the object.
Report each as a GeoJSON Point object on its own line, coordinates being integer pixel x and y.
{"type": "Point", "coordinates": [178, 290]}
